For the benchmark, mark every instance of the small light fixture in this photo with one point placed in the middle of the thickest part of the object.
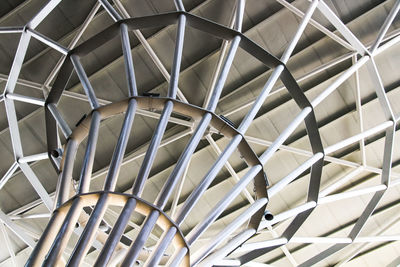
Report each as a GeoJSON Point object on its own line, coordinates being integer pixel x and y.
{"type": "Point", "coordinates": [104, 227]}
{"type": "Point", "coordinates": [268, 216]}
{"type": "Point", "coordinates": [151, 94]}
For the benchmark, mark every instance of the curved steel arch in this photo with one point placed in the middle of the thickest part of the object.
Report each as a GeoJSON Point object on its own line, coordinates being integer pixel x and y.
{"type": "Point", "coordinates": [220, 32]}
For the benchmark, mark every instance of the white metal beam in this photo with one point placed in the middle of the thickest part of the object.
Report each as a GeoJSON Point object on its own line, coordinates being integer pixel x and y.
{"type": "Point", "coordinates": [342, 28]}
{"type": "Point", "coordinates": [16, 230]}
{"type": "Point", "coordinates": [8, 244]}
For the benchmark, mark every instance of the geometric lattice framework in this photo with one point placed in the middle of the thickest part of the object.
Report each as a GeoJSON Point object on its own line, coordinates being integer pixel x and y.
{"type": "Point", "coordinates": [78, 223]}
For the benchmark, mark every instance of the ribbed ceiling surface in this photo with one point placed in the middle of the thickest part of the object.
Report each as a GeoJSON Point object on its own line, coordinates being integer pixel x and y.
{"type": "Point", "coordinates": [316, 63]}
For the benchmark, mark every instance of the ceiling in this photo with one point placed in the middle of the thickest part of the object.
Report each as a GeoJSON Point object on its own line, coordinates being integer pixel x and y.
{"type": "Point", "coordinates": [321, 57]}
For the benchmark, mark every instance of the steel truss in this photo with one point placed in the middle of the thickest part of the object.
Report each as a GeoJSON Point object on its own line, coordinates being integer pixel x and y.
{"type": "Point", "coordinates": [66, 205]}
